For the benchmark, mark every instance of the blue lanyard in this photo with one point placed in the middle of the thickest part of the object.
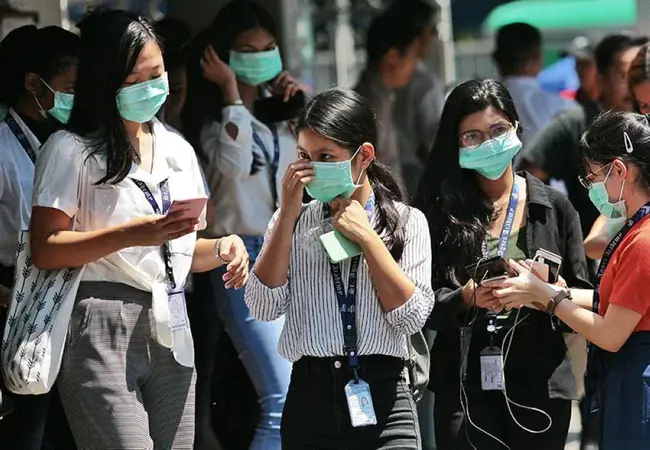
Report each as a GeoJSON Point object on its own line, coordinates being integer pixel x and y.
{"type": "Point", "coordinates": [611, 248]}
{"type": "Point", "coordinates": [166, 203]}
{"type": "Point", "coordinates": [509, 222]}
{"type": "Point", "coordinates": [21, 137]}
{"type": "Point", "coordinates": [502, 248]}
{"type": "Point", "coordinates": [348, 303]}
{"type": "Point", "coordinates": [272, 160]}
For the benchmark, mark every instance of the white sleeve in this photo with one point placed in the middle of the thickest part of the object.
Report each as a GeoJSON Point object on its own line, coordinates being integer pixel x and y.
{"type": "Point", "coordinates": [233, 158]}
{"type": "Point", "coordinates": [201, 187]}
{"type": "Point", "coordinates": [56, 178]}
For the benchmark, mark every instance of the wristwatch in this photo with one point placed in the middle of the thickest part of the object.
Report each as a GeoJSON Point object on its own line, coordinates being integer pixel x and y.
{"type": "Point", "coordinates": [557, 298]}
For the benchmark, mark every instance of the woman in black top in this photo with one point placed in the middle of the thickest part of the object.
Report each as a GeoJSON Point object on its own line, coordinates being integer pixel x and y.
{"type": "Point", "coordinates": [468, 191]}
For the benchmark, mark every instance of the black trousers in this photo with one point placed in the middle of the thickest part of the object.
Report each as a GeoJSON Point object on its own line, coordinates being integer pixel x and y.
{"type": "Point", "coordinates": [316, 413]}
{"type": "Point", "coordinates": [488, 410]}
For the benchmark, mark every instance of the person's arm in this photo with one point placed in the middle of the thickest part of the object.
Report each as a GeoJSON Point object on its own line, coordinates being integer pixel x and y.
{"type": "Point", "coordinates": [267, 292]}
{"type": "Point", "coordinates": [229, 143]}
{"type": "Point", "coordinates": [404, 289]}
{"type": "Point", "coordinates": [596, 243]}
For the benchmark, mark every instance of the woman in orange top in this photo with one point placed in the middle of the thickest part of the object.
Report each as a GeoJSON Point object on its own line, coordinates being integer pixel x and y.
{"type": "Point", "coordinates": [615, 317]}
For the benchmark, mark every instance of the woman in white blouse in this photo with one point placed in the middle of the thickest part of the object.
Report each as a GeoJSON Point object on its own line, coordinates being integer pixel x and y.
{"type": "Point", "coordinates": [244, 156]}
{"type": "Point", "coordinates": [127, 378]}
{"type": "Point", "coordinates": [347, 323]}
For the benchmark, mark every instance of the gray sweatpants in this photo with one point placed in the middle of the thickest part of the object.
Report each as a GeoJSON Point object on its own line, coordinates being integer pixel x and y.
{"type": "Point", "coordinates": [119, 387]}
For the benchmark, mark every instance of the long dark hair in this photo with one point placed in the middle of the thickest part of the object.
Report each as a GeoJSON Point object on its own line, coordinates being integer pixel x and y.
{"type": "Point", "coordinates": [604, 142]}
{"type": "Point", "coordinates": [345, 117]}
{"type": "Point", "coordinates": [47, 52]}
{"type": "Point", "coordinates": [204, 98]}
{"type": "Point", "coordinates": [457, 210]}
{"type": "Point", "coordinates": [111, 42]}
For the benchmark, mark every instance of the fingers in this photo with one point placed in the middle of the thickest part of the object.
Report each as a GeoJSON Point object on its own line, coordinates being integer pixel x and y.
{"type": "Point", "coordinates": [178, 228]}
{"type": "Point", "coordinates": [299, 173]}
{"type": "Point", "coordinates": [210, 57]}
{"type": "Point", "coordinates": [181, 233]}
{"type": "Point", "coordinates": [237, 271]}
{"type": "Point", "coordinates": [520, 268]}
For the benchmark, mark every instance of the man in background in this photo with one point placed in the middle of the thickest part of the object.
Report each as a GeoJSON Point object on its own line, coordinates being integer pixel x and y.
{"type": "Point", "coordinates": [518, 56]}
{"type": "Point", "coordinates": [419, 104]}
{"type": "Point", "coordinates": [391, 57]}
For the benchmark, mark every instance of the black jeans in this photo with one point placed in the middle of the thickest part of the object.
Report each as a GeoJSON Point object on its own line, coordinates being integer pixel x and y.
{"type": "Point", "coordinates": [488, 410]}
{"type": "Point", "coordinates": [316, 413]}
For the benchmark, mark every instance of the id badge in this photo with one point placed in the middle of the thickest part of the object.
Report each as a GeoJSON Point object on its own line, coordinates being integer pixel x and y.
{"type": "Point", "coordinates": [177, 310]}
{"type": "Point", "coordinates": [362, 413]}
{"type": "Point", "coordinates": [491, 370]}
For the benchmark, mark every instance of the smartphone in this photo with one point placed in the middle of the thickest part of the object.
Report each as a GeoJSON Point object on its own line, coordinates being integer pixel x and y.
{"type": "Point", "coordinates": [190, 208]}
{"type": "Point", "coordinates": [489, 269]}
{"type": "Point", "coordinates": [553, 261]}
{"type": "Point", "coordinates": [274, 109]}
{"type": "Point", "coordinates": [338, 247]}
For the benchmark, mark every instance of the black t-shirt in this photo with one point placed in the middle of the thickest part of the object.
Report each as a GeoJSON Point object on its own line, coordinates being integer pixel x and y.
{"type": "Point", "coordinates": [555, 151]}
{"type": "Point", "coordinates": [42, 129]}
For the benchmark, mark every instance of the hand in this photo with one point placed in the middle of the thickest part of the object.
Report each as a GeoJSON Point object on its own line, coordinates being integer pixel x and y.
{"type": "Point", "coordinates": [295, 179]}
{"type": "Point", "coordinates": [351, 220]}
{"type": "Point", "coordinates": [217, 71]}
{"type": "Point", "coordinates": [156, 230]}
{"type": "Point", "coordinates": [485, 297]}
{"type": "Point", "coordinates": [232, 250]}
{"type": "Point", "coordinates": [285, 84]}
{"type": "Point", "coordinates": [524, 289]}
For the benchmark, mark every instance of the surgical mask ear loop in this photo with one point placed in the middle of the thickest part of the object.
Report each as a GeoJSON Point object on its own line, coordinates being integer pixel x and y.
{"type": "Point", "coordinates": [362, 169]}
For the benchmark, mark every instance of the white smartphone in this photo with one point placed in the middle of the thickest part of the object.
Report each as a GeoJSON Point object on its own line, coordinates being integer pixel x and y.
{"type": "Point", "coordinates": [550, 260]}
{"type": "Point", "coordinates": [190, 208]}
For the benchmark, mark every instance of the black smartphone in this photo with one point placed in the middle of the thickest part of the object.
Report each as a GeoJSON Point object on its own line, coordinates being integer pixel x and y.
{"type": "Point", "coordinates": [487, 269]}
{"type": "Point", "coordinates": [274, 109]}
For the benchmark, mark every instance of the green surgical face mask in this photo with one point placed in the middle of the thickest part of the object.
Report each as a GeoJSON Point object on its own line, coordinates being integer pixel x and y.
{"type": "Point", "coordinates": [492, 158]}
{"type": "Point", "coordinates": [141, 102]}
{"type": "Point", "coordinates": [600, 198]}
{"type": "Point", "coordinates": [62, 108]}
{"type": "Point", "coordinates": [332, 180]}
{"type": "Point", "coordinates": [256, 68]}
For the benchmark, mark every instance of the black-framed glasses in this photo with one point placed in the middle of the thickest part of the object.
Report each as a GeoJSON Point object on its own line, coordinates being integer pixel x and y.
{"type": "Point", "coordinates": [472, 139]}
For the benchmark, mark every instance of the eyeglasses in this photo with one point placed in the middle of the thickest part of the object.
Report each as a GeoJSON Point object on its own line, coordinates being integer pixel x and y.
{"type": "Point", "coordinates": [587, 180]}
{"type": "Point", "coordinates": [472, 139]}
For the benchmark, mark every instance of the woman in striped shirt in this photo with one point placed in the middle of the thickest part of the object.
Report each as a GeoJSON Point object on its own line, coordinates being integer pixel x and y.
{"type": "Point", "coordinates": [347, 322]}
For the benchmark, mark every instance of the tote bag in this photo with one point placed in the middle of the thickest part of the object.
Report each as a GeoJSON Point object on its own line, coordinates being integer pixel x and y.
{"type": "Point", "coordinates": [38, 316]}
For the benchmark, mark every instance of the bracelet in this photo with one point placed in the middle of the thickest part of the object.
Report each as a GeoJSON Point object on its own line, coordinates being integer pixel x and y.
{"type": "Point", "coordinates": [216, 252]}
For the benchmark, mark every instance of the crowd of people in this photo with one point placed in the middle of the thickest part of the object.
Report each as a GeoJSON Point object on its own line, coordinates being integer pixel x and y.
{"type": "Point", "coordinates": [353, 245]}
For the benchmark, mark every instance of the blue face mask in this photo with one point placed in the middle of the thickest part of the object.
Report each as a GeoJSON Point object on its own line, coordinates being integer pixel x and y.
{"type": "Point", "coordinates": [141, 102]}
{"type": "Point", "coordinates": [492, 158]}
{"type": "Point", "coordinates": [62, 105]}
{"type": "Point", "coordinates": [600, 198]}
{"type": "Point", "coordinates": [256, 68]}
{"type": "Point", "coordinates": [333, 179]}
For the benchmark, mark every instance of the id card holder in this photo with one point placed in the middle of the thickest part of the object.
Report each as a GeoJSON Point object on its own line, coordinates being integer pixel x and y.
{"type": "Point", "coordinates": [362, 412]}
{"type": "Point", "coordinates": [491, 369]}
{"type": "Point", "coordinates": [177, 310]}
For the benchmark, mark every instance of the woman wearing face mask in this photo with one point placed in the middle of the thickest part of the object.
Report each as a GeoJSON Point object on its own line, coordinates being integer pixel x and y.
{"type": "Point", "coordinates": [615, 316]}
{"type": "Point", "coordinates": [347, 323]}
{"type": "Point", "coordinates": [36, 84]}
{"type": "Point", "coordinates": [236, 64]}
{"type": "Point", "coordinates": [478, 208]}
{"type": "Point", "coordinates": [126, 378]}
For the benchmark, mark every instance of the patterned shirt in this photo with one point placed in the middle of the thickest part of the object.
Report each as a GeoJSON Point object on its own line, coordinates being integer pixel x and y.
{"type": "Point", "coordinates": [308, 300]}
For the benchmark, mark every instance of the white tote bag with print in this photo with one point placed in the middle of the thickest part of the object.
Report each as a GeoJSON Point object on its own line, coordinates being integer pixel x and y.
{"type": "Point", "coordinates": [38, 317]}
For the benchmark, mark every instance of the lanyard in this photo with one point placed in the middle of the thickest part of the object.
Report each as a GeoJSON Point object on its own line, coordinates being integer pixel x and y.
{"type": "Point", "coordinates": [166, 203]}
{"type": "Point", "coordinates": [348, 303]}
{"type": "Point", "coordinates": [502, 248]}
{"type": "Point", "coordinates": [611, 248]}
{"type": "Point", "coordinates": [21, 137]}
{"type": "Point", "coordinates": [272, 160]}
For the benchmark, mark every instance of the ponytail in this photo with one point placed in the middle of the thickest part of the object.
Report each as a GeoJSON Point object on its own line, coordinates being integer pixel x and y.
{"type": "Point", "coordinates": [389, 224]}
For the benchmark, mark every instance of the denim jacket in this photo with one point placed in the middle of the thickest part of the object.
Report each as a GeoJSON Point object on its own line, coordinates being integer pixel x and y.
{"type": "Point", "coordinates": [538, 360]}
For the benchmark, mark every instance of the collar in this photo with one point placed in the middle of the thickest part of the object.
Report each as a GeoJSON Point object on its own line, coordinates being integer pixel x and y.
{"type": "Point", "coordinates": [536, 190]}
{"type": "Point", "coordinates": [371, 81]}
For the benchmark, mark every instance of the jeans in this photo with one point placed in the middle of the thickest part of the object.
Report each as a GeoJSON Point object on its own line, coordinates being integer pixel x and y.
{"type": "Point", "coordinates": [316, 415]}
{"type": "Point", "coordinates": [256, 343]}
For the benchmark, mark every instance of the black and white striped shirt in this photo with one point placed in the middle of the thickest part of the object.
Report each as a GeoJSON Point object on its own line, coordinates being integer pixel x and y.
{"type": "Point", "coordinates": [308, 300]}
